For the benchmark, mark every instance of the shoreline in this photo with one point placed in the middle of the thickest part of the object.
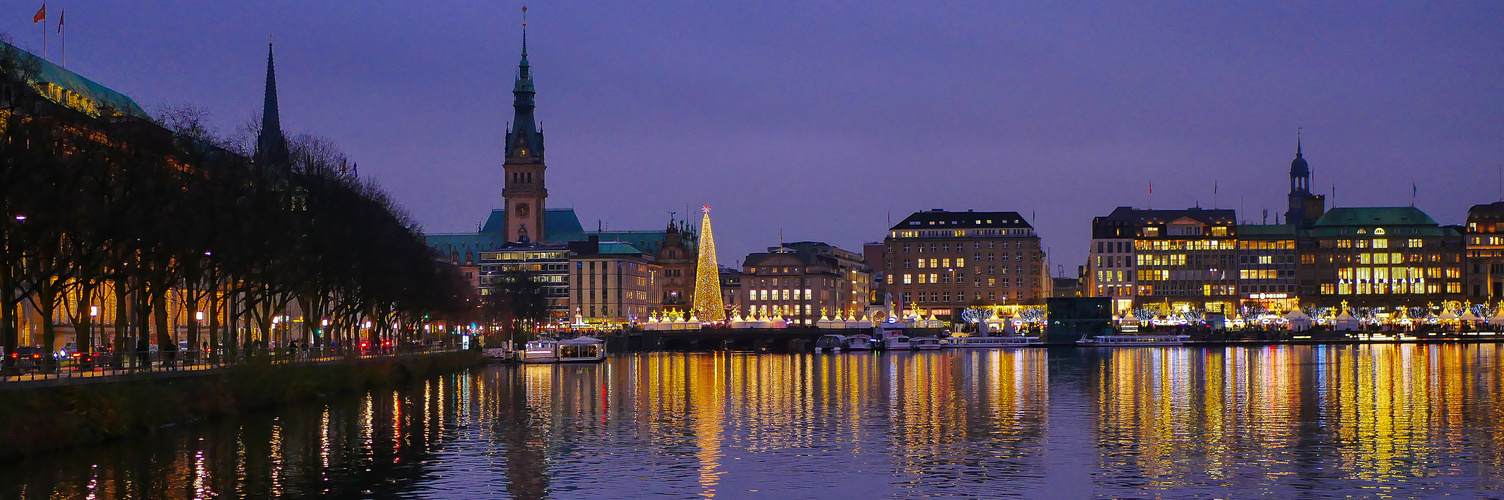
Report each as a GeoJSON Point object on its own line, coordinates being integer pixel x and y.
{"type": "Point", "coordinates": [46, 419]}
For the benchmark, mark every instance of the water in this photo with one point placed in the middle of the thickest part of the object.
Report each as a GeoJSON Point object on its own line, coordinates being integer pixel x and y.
{"type": "Point", "coordinates": [1282, 422]}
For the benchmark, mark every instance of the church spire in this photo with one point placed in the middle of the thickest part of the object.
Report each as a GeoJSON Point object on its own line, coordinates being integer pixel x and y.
{"type": "Point", "coordinates": [524, 140]}
{"type": "Point", "coordinates": [271, 145]}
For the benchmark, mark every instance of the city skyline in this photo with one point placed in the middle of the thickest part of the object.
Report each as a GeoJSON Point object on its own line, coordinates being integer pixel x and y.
{"type": "Point", "coordinates": [821, 125]}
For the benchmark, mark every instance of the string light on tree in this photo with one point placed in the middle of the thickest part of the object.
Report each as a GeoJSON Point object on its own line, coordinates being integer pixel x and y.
{"type": "Point", "coordinates": [707, 298]}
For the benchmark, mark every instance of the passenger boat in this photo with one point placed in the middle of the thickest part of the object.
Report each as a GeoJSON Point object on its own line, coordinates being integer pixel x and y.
{"type": "Point", "coordinates": [924, 344]}
{"type": "Point", "coordinates": [581, 350]}
{"type": "Point", "coordinates": [539, 351]}
{"type": "Point", "coordinates": [1133, 340]}
{"type": "Point", "coordinates": [859, 342]}
{"type": "Point", "coordinates": [830, 343]}
{"type": "Point", "coordinates": [990, 342]}
{"type": "Point", "coordinates": [897, 343]}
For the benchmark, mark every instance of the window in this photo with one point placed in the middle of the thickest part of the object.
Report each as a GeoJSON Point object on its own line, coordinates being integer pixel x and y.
{"type": "Point", "coordinates": [1381, 243]}
{"type": "Point", "coordinates": [1417, 243]}
{"type": "Point", "coordinates": [960, 262]}
{"type": "Point", "coordinates": [905, 248]}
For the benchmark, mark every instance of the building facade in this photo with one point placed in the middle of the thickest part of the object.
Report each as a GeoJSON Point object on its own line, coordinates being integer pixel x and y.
{"type": "Point", "coordinates": [793, 285]}
{"type": "Point", "coordinates": [678, 260]}
{"type": "Point", "coordinates": [612, 283]}
{"type": "Point", "coordinates": [939, 262]}
{"type": "Point", "coordinates": [1267, 258]}
{"type": "Point", "coordinates": [1176, 259]}
{"type": "Point", "coordinates": [547, 265]}
{"type": "Point", "coordinates": [1379, 257]}
{"type": "Point", "coordinates": [855, 291]}
{"type": "Point", "coordinates": [1485, 253]}
{"type": "Point", "coordinates": [731, 290]}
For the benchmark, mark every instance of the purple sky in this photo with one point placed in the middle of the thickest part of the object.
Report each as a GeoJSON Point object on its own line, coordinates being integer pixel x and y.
{"type": "Point", "coordinates": [822, 118]}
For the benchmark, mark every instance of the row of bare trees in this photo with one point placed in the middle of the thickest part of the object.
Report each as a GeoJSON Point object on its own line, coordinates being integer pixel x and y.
{"type": "Point", "coordinates": [127, 214]}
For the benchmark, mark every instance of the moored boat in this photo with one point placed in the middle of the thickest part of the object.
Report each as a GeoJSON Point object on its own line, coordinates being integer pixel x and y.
{"type": "Point", "coordinates": [1134, 341]}
{"type": "Point", "coordinates": [539, 351]}
{"type": "Point", "coordinates": [581, 350]}
{"type": "Point", "coordinates": [830, 343]}
{"type": "Point", "coordinates": [990, 342]}
{"type": "Point", "coordinates": [897, 343]}
{"type": "Point", "coordinates": [498, 355]}
{"type": "Point", "coordinates": [924, 344]}
{"type": "Point", "coordinates": [859, 342]}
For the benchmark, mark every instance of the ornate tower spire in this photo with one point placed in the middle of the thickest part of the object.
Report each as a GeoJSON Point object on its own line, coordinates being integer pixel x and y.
{"type": "Point", "coordinates": [271, 145]}
{"type": "Point", "coordinates": [525, 190]}
{"type": "Point", "coordinates": [708, 305]}
{"type": "Point", "coordinates": [524, 140]}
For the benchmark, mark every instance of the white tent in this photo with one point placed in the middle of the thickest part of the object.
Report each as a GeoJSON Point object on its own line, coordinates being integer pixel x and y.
{"type": "Point", "coordinates": [1498, 318]}
{"type": "Point", "coordinates": [1299, 320]}
{"type": "Point", "coordinates": [1347, 322]}
{"type": "Point", "coordinates": [1470, 317]}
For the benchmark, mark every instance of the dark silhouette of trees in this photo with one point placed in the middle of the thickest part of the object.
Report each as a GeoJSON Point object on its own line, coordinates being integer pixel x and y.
{"type": "Point", "coordinates": [120, 212]}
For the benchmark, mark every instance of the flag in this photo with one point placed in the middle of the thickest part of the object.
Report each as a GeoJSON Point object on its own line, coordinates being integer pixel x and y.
{"type": "Point", "coordinates": [60, 17]}
{"type": "Point", "coordinates": [1413, 189]}
{"type": "Point", "coordinates": [1151, 187]}
{"type": "Point", "coordinates": [1214, 183]}
{"type": "Point", "coordinates": [41, 14]}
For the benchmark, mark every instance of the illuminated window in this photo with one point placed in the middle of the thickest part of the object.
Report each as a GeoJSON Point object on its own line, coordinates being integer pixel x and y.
{"type": "Point", "coordinates": [922, 262]}
{"type": "Point", "coordinates": [1417, 243]}
{"type": "Point", "coordinates": [1381, 243]}
{"type": "Point", "coordinates": [1344, 243]}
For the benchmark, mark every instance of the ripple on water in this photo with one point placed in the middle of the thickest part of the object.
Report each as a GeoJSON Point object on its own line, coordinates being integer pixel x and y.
{"type": "Point", "coordinates": [1300, 421]}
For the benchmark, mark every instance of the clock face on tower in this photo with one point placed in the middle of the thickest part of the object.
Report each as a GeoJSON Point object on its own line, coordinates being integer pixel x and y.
{"type": "Point", "coordinates": [523, 210]}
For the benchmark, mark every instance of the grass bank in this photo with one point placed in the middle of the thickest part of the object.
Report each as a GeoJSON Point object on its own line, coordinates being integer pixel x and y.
{"type": "Point", "coordinates": [41, 420]}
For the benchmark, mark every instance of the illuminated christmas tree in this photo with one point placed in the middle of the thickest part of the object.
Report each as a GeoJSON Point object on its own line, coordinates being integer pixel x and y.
{"type": "Point", "coordinates": [708, 277]}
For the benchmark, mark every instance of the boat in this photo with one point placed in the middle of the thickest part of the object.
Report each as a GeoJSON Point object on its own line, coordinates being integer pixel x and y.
{"type": "Point", "coordinates": [859, 342]}
{"type": "Point", "coordinates": [581, 350]}
{"type": "Point", "coordinates": [896, 343]}
{"type": "Point", "coordinates": [830, 343]}
{"type": "Point", "coordinates": [990, 342]}
{"type": "Point", "coordinates": [924, 344]}
{"type": "Point", "coordinates": [1133, 340]}
{"type": "Point", "coordinates": [539, 351]}
{"type": "Point", "coordinates": [498, 355]}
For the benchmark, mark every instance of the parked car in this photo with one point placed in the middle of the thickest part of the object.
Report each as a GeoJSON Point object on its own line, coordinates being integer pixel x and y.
{"type": "Point", "coordinates": [28, 358]}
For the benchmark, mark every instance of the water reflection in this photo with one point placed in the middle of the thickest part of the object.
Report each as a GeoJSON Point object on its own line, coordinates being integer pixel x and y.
{"type": "Point", "coordinates": [1400, 420]}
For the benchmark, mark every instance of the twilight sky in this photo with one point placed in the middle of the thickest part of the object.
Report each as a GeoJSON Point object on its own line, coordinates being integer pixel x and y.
{"type": "Point", "coordinates": [823, 119]}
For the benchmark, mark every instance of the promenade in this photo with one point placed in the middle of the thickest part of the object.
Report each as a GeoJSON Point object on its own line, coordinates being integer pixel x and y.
{"type": "Point", "coordinates": [158, 366]}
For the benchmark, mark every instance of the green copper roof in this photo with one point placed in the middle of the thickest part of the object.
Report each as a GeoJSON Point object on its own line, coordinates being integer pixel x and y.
{"type": "Point", "coordinates": [1375, 216]}
{"type": "Point", "coordinates": [1377, 221]}
{"type": "Point", "coordinates": [101, 96]}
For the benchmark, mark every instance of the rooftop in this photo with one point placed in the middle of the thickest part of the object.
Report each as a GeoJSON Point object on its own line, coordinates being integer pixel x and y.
{"type": "Point", "coordinates": [937, 218]}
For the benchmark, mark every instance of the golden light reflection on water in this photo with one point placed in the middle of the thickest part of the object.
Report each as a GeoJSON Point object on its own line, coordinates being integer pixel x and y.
{"type": "Point", "coordinates": [1397, 420]}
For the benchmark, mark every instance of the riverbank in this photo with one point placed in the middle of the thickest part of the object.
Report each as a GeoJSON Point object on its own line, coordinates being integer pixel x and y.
{"type": "Point", "coordinates": [45, 419]}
